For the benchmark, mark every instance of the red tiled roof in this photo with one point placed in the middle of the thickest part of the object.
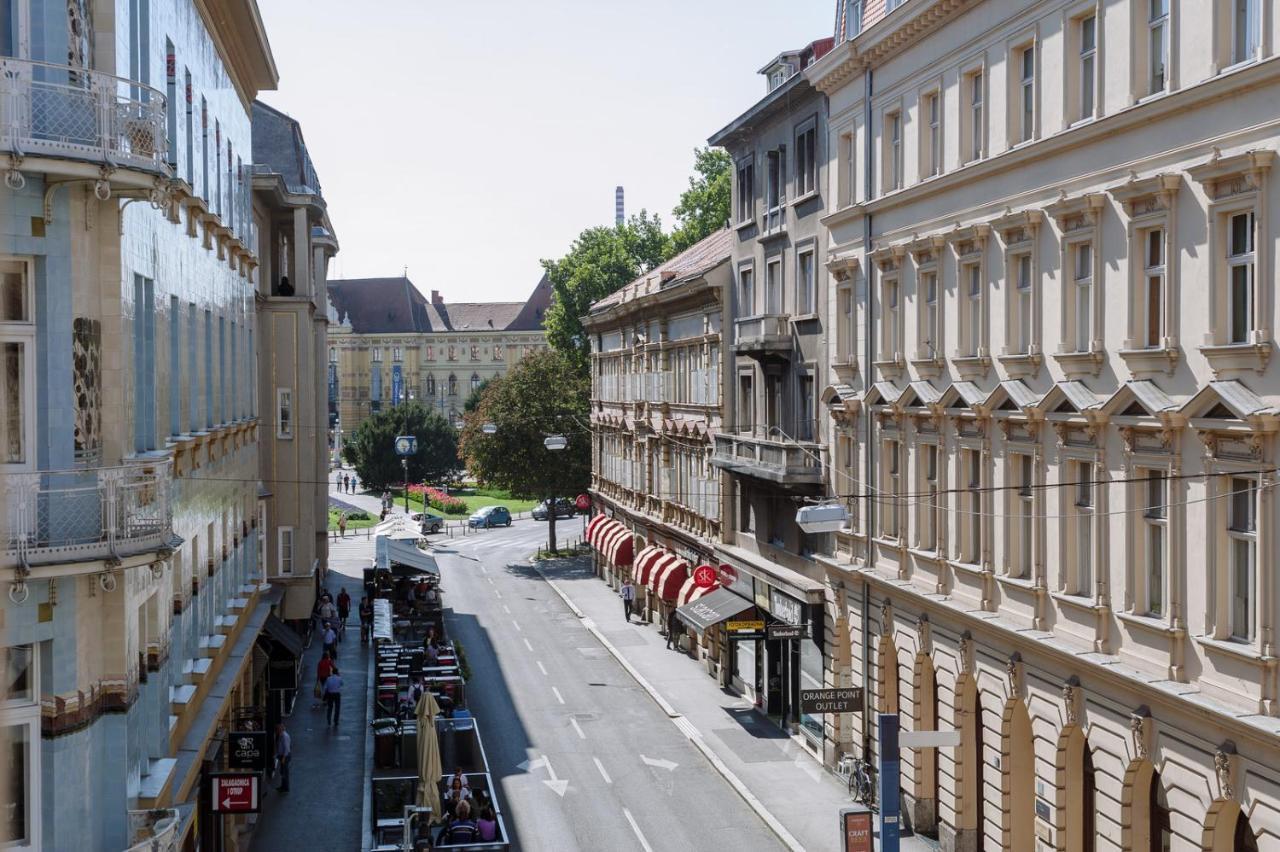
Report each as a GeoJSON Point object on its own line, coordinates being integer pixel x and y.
{"type": "Point", "coordinates": [698, 259]}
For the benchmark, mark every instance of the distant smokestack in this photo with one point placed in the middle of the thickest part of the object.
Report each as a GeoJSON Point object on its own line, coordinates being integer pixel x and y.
{"type": "Point", "coordinates": [619, 209]}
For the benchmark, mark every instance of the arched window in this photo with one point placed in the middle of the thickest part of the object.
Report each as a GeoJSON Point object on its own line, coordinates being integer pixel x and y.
{"type": "Point", "coordinates": [475, 381]}
{"type": "Point", "coordinates": [453, 385]}
{"type": "Point", "coordinates": [431, 385]}
{"type": "Point", "coordinates": [1161, 833]}
{"type": "Point", "coordinates": [1245, 839]}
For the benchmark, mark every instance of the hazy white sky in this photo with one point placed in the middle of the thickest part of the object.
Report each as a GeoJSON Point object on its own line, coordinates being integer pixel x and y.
{"type": "Point", "coordinates": [467, 140]}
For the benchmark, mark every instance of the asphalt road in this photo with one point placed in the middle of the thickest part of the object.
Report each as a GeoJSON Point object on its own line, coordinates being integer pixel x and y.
{"type": "Point", "coordinates": [583, 758]}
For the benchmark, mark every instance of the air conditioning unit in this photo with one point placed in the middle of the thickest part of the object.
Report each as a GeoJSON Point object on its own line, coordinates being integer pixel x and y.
{"type": "Point", "coordinates": [828, 517]}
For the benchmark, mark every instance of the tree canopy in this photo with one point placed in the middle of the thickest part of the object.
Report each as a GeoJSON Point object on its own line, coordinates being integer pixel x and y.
{"type": "Point", "coordinates": [703, 208]}
{"type": "Point", "coordinates": [542, 394]}
{"type": "Point", "coordinates": [371, 448]}
{"type": "Point", "coordinates": [473, 398]}
{"type": "Point", "coordinates": [601, 260]}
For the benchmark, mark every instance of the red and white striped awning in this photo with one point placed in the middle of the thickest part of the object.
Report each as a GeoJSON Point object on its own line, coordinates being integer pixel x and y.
{"type": "Point", "coordinates": [618, 549]}
{"type": "Point", "coordinates": [669, 576]}
{"type": "Point", "coordinates": [594, 525]}
{"type": "Point", "coordinates": [690, 591]}
{"type": "Point", "coordinates": [644, 562]}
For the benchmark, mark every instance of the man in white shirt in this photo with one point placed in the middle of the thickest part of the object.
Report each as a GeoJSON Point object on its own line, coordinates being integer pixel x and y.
{"type": "Point", "coordinates": [628, 598]}
{"type": "Point", "coordinates": [333, 698]}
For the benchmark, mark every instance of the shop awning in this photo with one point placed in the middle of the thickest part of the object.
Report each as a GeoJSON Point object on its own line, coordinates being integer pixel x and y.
{"type": "Point", "coordinates": [620, 548]}
{"type": "Point", "coordinates": [593, 526]}
{"type": "Point", "coordinates": [282, 636]}
{"type": "Point", "coordinates": [691, 591]}
{"type": "Point", "coordinates": [713, 608]}
{"type": "Point", "coordinates": [644, 563]}
{"type": "Point", "coordinates": [667, 584]}
{"type": "Point", "coordinates": [393, 552]}
{"type": "Point", "coordinates": [608, 536]}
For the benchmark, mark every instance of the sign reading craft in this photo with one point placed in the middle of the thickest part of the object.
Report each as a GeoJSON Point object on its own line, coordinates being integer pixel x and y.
{"type": "Point", "coordinates": [839, 700]}
{"type": "Point", "coordinates": [235, 793]}
{"type": "Point", "coordinates": [856, 828]}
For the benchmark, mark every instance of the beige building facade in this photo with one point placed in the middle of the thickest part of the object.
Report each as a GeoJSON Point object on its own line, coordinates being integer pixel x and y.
{"type": "Point", "coordinates": [1052, 268]}
{"type": "Point", "coordinates": [389, 344]}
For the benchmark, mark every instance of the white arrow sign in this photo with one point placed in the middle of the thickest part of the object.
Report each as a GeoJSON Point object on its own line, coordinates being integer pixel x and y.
{"type": "Point", "coordinates": [527, 765]}
{"type": "Point", "coordinates": [668, 765]}
{"type": "Point", "coordinates": [556, 784]}
{"type": "Point", "coordinates": [226, 803]}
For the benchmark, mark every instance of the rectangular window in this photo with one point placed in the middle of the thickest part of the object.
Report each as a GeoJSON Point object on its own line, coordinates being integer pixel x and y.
{"type": "Point", "coordinates": [208, 369]}
{"type": "Point", "coordinates": [262, 534]}
{"type": "Point", "coordinates": [846, 329]}
{"type": "Point", "coordinates": [1246, 28]}
{"type": "Point", "coordinates": [746, 292]}
{"type": "Point", "coordinates": [972, 276]}
{"type": "Point", "coordinates": [806, 283]}
{"type": "Point", "coordinates": [892, 453]}
{"type": "Point", "coordinates": [175, 382]}
{"type": "Point", "coordinates": [1022, 305]}
{"type": "Point", "coordinates": [933, 133]}
{"type": "Point", "coordinates": [1083, 487]}
{"type": "Point", "coordinates": [284, 413]}
{"type": "Point", "coordinates": [746, 403]}
{"type": "Point", "coordinates": [1242, 539]}
{"type": "Point", "coordinates": [971, 507]}
{"type": "Point", "coordinates": [775, 188]}
{"type": "Point", "coordinates": [1158, 46]}
{"type": "Point", "coordinates": [144, 364]}
{"type": "Point", "coordinates": [806, 161]}
{"type": "Point", "coordinates": [189, 128]}
{"type": "Point", "coordinates": [1083, 287]}
{"type": "Point", "coordinates": [1024, 505]}
{"type": "Point", "coordinates": [929, 525]}
{"type": "Point", "coordinates": [193, 374]}
{"type": "Point", "coordinates": [1153, 288]}
{"type": "Point", "coordinates": [893, 165]}
{"type": "Point", "coordinates": [204, 150]}
{"type": "Point", "coordinates": [377, 355]}
{"type": "Point", "coordinates": [1026, 98]}
{"type": "Point", "coordinates": [772, 403]}
{"type": "Point", "coordinates": [1240, 269]}
{"type": "Point", "coordinates": [222, 369]}
{"type": "Point", "coordinates": [1154, 523]}
{"type": "Point", "coordinates": [1088, 65]}
{"type": "Point", "coordinates": [848, 170]}
{"type": "Point", "coordinates": [396, 354]}
{"type": "Point", "coordinates": [746, 191]}
{"type": "Point", "coordinates": [217, 165]}
{"type": "Point", "coordinates": [773, 287]}
{"type": "Point", "coordinates": [852, 18]}
{"type": "Point", "coordinates": [18, 820]}
{"type": "Point", "coordinates": [171, 102]}
{"type": "Point", "coordinates": [17, 367]}
{"type": "Point", "coordinates": [285, 539]}
{"type": "Point", "coordinates": [889, 342]}
{"type": "Point", "coordinates": [931, 337]}
{"type": "Point", "coordinates": [977, 124]}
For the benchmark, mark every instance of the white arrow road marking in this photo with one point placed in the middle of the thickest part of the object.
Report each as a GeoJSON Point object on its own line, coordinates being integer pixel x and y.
{"type": "Point", "coordinates": [639, 835]}
{"type": "Point", "coordinates": [527, 645]}
{"type": "Point", "coordinates": [559, 697]}
{"type": "Point", "coordinates": [542, 668]}
{"type": "Point", "coordinates": [603, 774]}
{"type": "Point", "coordinates": [577, 727]}
{"type": "Point", "coordinates": [556, 784]}
{"type": "Point", "coordinates": [530, 765]}
{"type": "Point", "coordinates": [661, 763]}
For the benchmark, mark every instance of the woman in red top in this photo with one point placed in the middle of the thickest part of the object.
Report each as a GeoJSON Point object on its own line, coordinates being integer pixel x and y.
{"type": "Point", "coordinates": [324, 668]}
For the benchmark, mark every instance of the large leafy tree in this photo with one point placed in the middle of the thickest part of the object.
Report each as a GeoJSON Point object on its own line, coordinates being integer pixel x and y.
{"type": "Point", "coordinates": [473, 398]}
{"type": "Point", "coordinates": [601, 260]}
{"type": "Point", "coordinates": [371, 448]}
{"type": "Point", "coordinates": [704, 207]}
{"type": "Point", "coordinates": [543, 394]}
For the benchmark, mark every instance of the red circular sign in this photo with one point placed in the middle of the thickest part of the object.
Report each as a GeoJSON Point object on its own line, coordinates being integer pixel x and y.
{"type": "Point", "coordinates": [583, 502]}
{"type": "Point", "coordinates": [704, 576]}
{"type": "Point", "coordinates": [728, 575]}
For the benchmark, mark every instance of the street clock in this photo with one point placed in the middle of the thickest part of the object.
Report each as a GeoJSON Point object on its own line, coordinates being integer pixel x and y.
{"type": "Point", "coordinates": [406, 445]}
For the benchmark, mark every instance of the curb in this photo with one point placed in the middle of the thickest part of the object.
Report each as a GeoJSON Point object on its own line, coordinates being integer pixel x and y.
{"type": "Point", "coordinates": [705, 750]}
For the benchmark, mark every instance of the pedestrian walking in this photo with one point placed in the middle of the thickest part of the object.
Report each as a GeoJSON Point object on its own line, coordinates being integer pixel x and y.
{"type": "Point", "coordinates": [330, 641]}
{"type": "Point", "coordinates": [333, 698]}
{"type": "Point", "coordinates": [342, 525]}
{"type": "Point", "coordinates": [673, 630]}
{"type": "Point", "coordinates": [344, 608]}
{"type": "Point", "coordinates": [366, 619]}
{"type": "Point", "coordinates": [284, 755]}
{"type": "Point", "coordinates": [346, 481]}
{"type": "Point", "coordinates": [628, 598]}
{"type": "Point", "coordinates": [324, 668]}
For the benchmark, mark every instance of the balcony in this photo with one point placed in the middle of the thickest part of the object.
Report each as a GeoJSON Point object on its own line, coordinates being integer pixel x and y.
{"type": "Point", "coordinates": [774, 459]}
{"type": "Point", "coordinates": [90, 514]}
{"type": "Point", "coordinates": [766, 336]}
{"type": "Point", "coordinates": [69, 113]}
{"type": "Point", "coordinates": [154, 830]}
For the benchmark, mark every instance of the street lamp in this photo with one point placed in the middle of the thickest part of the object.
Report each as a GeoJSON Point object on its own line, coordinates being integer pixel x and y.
{"type": "Point", "coordinates": [555, 442]}
{"type": "Point", "coordinates": [823, 518]}
{"type": "Point", "coordinates": [489, 428]}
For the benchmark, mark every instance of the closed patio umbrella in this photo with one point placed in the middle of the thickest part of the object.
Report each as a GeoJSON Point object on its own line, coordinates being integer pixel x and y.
{"type": "Point", "coordinates": [429, 769]}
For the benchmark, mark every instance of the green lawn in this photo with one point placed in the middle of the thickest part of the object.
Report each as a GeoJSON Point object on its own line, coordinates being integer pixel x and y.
{"type": "Point", "coordinates": [352, 524]}
{"type": "Point", "coordinates": [475, 498]}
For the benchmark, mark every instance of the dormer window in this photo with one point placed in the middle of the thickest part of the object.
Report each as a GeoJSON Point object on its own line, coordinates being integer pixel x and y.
{"type": "Point", "coordinates": [780, 74]}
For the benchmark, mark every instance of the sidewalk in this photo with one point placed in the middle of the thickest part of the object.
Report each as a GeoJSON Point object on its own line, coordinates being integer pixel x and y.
{"type": "Point", "coordinates": [323, 807]}
{"type": "Point", "coordinates": [779, 774]}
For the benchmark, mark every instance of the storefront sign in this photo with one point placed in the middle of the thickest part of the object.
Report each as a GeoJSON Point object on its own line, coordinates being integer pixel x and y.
{"type": "Point", "coordinates": [247, 750]}
{"type": "Point", "coordinates": [785, 631]}
{"type": "Point", "coordinates": [855, 827]}
{"type": "Point", "coordinates": [839, 700]}
{"type": "Point", "coordinates": [704, 576]}
{"type": "Point", "coordinates": [235, 793]}
{"type": "Point", "coordinates": [785, 608]}
{"type": "Point", "coordinates": [756, 626]}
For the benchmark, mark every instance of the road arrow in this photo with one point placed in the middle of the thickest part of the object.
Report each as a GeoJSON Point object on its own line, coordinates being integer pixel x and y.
{"type": "Point", "coordinates": [529, 765]}
{"type": "Point", "coordinates": [556, 784]}
{"type": "Point", "coordinates": [668, 765]}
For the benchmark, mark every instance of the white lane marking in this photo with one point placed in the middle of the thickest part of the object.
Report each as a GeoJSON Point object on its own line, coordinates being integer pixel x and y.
{"type": "Point", "coordinates": [527, 645]}
{"type": "Point", "coordinates": [639, 835]}
{"type": "Point", "coordinates": [484, 570]}
{"type": "Point", "coordinates": [498, 593]}
{"type": "Point", "coordinates": [559, 697]}
{"type": "Point", "coordinates": [577, 727]}
{"type": "Point", "coordinates": [506, 609]}
{"type": "Point", "coordinates": [603, 774]}
{"type": "Point", "coordinates": [517, 625]}
{"type": "Point", "coordinates": [686, 727]}
{"type": "Point", "coordinates": [490, 579]}
{"type": "Point", "coordinates": [542, 668]}
{"type": "Point", "coordinates": [661, 763]}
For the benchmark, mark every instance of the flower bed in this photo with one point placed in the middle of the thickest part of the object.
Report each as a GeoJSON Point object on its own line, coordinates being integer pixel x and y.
{"type": "Point", "coordinates": [438, 500]}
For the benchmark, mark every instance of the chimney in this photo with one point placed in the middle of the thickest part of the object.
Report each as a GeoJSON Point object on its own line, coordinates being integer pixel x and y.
{"type": "Point", "coordinates": [436, 298]}
{"type": "Point", "coordinates": [619, 210]}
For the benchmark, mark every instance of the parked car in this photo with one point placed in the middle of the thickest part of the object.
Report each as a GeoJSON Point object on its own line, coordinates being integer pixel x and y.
{"type": "Point", "coordinates": [490, 516]}
{"type": "Point", "coordinates": [429, 522]}
{"type": "Point", "coordinates": [564, 509]}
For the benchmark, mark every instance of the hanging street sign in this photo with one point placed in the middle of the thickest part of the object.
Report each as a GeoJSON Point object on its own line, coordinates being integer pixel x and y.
{"type": "Point", "coordinates": [235, 793]}
{"type": "Point", "coordinates": [704, 576]}
{"type": "Point", "coordinates": [838, 700]}
{"type": "Point", "coordinates": [247, 750]}
{"type": "Point", "coordinates": [728, 575]}
{"type": "Point", "coordinates": [786, 631]}
{"type": "Point", "coordinates": [406, 445]}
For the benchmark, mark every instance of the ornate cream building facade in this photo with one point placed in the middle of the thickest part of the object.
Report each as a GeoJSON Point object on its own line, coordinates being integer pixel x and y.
{"type": "Point", "coordinates": [1052, 262]}
{"type": "Point", "coordinates": [389, 344]}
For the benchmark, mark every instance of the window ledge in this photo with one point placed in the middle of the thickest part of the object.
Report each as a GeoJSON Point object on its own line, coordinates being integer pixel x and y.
{"type": "Point", "coordinates": [1239, 650]}
{"type": "Point", "coordinates": [774, 233]}
{"type": "Point", "coordinates": [929, 368]}
{"type": "Point", "coordinates": [1022, 584]}
{"type": "Point", "coordinates": [1152, 624]}
{"type": "Point", "coordinates": [1151, 360]}
{"type": "Point", "coordinates": [890, 367]}
{"type": "Point", "coordinates": [1074, 363]}
{"type": "Point", "coordinates": [845, 368]}
{"type": "Point", "coordinates": [971, 367]}
{"type": "Point", "coordinates": [1237, 356]}
{"type": "Point", "coordinates": [927, 555]}
{"type": "Point", "coordinates": [970, 568]}
{"type": "Point", "coordinates": [1078, 602]}
{"type": "Point", "coordinates": [745, 224]}
{"type": "Point", "coordinates": [1022, 364]}
{"type": "Point", "coordinates": [808, 196]}
{"type": "Point", "coordinates": [806, 317]}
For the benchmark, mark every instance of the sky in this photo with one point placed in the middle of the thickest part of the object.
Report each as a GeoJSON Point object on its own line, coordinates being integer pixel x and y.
{"type": "Point", "coordinates": [467, 140]}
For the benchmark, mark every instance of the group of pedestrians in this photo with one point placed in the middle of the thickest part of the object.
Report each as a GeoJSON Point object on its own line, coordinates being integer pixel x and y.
{"type": "Point", "coordinates": [674, 628]}
{"type": "Point", "coordinates": [346, 483]}
{"type": "Point", "coordinates": [333, 622]}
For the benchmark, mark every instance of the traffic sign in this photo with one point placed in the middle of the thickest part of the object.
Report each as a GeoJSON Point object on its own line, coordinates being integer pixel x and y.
{"type": "Point", "coordinates": [248, 750]}
{"type": "Point", "coordinates": [235, 793]}
{"type": "Point", "coordinates": [583, 503]}
{"type": "Point", "coordinates": [728, 575]}
{"type": "Point", "coordinates": [704, 576]}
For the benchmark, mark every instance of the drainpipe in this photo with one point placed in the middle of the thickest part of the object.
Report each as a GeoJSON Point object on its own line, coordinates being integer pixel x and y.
{"type": "Point", "coordinates": [868, 343]}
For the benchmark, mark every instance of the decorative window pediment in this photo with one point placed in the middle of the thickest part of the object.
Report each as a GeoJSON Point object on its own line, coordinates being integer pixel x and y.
{"type": "Point", "coordinates": [971, 240]}
{"type": "Point", "coordinates": [1079, 213]}
{"type": "Point", "coordinates": [1226, 177]}
{"type": "Point", "coordinates": [889, 258]}
{"type": "Point", "coordinates": [1017, 228]}
{"type": "Point", "coordinates": [1148, 196]}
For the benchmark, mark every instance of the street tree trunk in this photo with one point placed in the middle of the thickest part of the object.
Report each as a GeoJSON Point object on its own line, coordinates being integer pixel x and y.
{"type": "Point", "coordinates": [551, 524]}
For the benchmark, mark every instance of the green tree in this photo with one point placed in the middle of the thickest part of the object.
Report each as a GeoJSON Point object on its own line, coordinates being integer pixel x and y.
{"type": "Point", "coordinates": [473, 398]}
{"type": "Point", "coordinates": [704, 207]}
{"type": "Point", "coordinates": [371, 448]}
{"type": "Point", "coordinates": [601, 260]}
{"type": "Point", "coordinates": [543, 394]}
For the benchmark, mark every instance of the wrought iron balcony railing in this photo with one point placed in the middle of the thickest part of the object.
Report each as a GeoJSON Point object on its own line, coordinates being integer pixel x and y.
{"type": "Point", "coordinates": [95, 513]}
{"type": "Point", "coordinates": [73, 113]}
{"type": "Point", "coordinates": [763, 335]}
{"type": "Point", "coordinates": [776, 458]}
